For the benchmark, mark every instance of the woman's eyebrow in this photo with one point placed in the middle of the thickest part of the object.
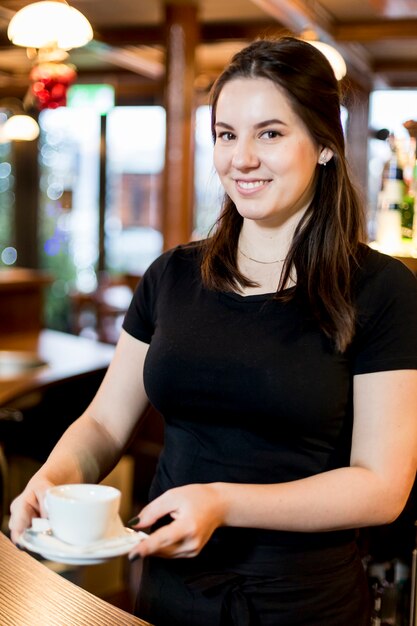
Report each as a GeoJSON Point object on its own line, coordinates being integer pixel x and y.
{"type": "Point", "coordinates": [269, 122]}
{"type": "Point", "coordinates": [258, 125]}
{"type": "Point", "coordinates": [224, 125]}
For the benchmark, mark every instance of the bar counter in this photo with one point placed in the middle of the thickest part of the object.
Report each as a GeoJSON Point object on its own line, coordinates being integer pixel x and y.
{"type": "Point", "coordinates": [33, 595]}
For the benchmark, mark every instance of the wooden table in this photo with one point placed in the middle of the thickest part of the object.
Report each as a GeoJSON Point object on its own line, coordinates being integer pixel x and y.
{"type": "Point", "coordinates": [66, 356]}
{"type": "Point", "coordinates": [33, 595]}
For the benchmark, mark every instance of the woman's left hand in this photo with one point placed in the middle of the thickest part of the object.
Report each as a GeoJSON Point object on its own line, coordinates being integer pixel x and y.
{"type": "Point", "coordinates": [196, 511]}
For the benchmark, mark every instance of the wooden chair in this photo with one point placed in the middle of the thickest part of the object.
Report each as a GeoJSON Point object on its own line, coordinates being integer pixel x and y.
{"type": "Point", "coordinates": [100, 313]}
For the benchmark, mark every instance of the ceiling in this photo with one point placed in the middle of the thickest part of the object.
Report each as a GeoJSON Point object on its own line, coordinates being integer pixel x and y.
{"type": "Point", "coordinates": [378, 38]}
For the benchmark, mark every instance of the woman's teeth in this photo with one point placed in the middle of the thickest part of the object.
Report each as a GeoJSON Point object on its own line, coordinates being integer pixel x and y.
{"type": "Point", "coordinates": [251, 184]}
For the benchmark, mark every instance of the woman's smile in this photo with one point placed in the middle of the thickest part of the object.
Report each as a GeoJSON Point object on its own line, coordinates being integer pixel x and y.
{"type": "Point", "coordinates": [246, 187]}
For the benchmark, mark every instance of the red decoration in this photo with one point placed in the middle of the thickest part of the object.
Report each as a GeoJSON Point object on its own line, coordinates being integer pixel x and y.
{"type": "Point", "coordinates": [49, 84]}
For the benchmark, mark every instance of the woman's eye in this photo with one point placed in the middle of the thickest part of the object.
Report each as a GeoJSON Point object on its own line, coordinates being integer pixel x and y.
{"type": "Point", "coordinates": [226, 136]}
{"type": "Point", "coordinates": [271, 134]}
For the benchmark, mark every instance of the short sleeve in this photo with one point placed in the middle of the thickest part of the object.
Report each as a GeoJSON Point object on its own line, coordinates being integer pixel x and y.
{"type": "Point", "coordinates": [386, 337]}
{"type": "Point", "coordinates": [140, 317]}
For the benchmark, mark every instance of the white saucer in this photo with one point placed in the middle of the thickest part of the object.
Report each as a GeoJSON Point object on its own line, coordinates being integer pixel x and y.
{"type": "Point", "coordinates": [53, 549]}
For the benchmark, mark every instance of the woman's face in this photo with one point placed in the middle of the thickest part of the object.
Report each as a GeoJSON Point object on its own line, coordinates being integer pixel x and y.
{"type": "Point", "coordinates": [263, 153]}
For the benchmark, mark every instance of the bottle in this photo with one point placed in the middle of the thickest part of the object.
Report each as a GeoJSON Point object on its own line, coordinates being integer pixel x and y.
{"type": "Point", "coordinates": [393, 181]}
{"type": "Point", "coordinates": [410, 206]}
{"type": "Point", "coordinates": [390, 204]}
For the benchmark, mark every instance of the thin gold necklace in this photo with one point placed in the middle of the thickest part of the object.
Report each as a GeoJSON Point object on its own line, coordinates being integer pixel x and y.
{"type": "Point", "coordinates": [261, 262]}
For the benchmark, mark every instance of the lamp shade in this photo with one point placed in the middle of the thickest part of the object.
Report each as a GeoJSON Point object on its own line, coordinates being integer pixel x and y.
{"type": "Point", "coordinates": [49, 24]}
{"type": "Point", "coordinates": [20, 128]}
{"type": "Point", "coordinates": [333, 56]}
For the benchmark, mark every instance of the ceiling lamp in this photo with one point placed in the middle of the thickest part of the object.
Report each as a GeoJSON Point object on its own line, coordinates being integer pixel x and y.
{"type": "Point", "coordinates": [49, 24]}
{"type": "Point", "coordinates": [19, 128]}
{"type": "Point", "coordinates": [332, 55]}
{"type": "Point", "coordinates": [15, 124]}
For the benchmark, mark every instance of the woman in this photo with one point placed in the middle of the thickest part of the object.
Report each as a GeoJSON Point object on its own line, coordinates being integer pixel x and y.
{"type": "Point", "coordinates": [282, 353]}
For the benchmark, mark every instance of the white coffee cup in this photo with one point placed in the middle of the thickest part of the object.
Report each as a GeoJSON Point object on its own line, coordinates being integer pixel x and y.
{"type": "Point", "coordinates": [82, 513]}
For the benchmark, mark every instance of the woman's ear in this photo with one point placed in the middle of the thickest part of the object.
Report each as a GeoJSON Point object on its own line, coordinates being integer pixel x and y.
{"type": "Point", "coordinates": [325, 155]}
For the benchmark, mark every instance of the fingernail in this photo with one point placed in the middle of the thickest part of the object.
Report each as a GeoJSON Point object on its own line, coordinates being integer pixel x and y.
{"type": "Point", "coordinates": [133, 558]}
{"type": "Point", "coordinates": [133, 521]}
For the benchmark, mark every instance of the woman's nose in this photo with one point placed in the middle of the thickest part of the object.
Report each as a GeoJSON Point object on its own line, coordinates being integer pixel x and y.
{"type": "Point", "coordinates": [244, 155]}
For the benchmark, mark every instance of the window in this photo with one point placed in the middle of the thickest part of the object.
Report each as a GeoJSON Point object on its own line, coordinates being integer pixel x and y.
{"type": "Point", "coordinates": [208, 189]}
{"type": "Point", "coordinates": [68, 158]}
{"type": "Point", "coordinates": [135, 162]}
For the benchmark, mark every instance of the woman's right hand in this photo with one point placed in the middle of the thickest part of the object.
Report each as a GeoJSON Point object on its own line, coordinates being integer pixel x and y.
{"type": "Point", "coordinates": [93, 443]}
{"type": "Point", "coordinates": [29, 504]}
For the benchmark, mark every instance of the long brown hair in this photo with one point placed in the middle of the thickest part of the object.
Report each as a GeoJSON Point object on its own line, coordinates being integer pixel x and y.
{"type": "Point", "coordinates": [325, 247]}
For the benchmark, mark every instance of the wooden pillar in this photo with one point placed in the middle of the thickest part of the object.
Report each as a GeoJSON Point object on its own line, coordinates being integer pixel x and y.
{"type": "Point", "coordinates": [26, 210]}
{"type": "Point", "coordinates": [178, 181]}
{"type": "Point", "coordinates": [101, 265]}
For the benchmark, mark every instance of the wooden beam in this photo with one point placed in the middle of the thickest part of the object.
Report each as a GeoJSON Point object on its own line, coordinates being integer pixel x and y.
{"type": "Point", "coordinates": [224, 31]}
{"type": "Point", "coordinates": [297, 15]}
{"type": "Point", "coordinates": [151, 35]}
{"type": "Point", "coordinates": [210, 32]}
{"type": "Point", "coordinates": [395, 8]}
{"type": "Point", "coordinates": [127, 59]}
{"type": "Point", "coordinates": [395, 74]}
{"type": "Point", "coordinates": [393, 66]}
{"type": "Point", "coordinates": [6, 15]}
{"type": "Point", "coordinates": [375, 31]}
{"type": "Point", "coordinates": [398, 81]}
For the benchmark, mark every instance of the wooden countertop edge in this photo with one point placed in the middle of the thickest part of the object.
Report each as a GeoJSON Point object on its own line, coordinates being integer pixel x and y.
{"type": "Point", "coordinates": [37, 382]}
{"type": "Point", "coordinates": [18, 277]}
{"type": "Point", "coordinates": [29, 591]}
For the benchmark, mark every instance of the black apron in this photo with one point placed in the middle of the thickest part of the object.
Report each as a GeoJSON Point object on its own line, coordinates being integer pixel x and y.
{"type": "Point", "coordinates": [316, 588]}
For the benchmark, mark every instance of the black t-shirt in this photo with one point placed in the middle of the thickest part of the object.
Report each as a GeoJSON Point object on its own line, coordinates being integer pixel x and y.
{"type": "Point", "coordinates": [250, 388]}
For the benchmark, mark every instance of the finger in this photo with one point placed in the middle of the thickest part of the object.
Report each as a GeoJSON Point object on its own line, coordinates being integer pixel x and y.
{"type": "Point", "coordinates": [42, 508]}
{"type": "Point", "coordinates": [155, 510]}
{"type": "Point", "coordinates": [166, 541]}
{"type": "Point", "coordinates": [23, 509]}
{"type": "Point", "coordinates": [20, 521]}
{"type": "Point", "coordinates": [133, 522]}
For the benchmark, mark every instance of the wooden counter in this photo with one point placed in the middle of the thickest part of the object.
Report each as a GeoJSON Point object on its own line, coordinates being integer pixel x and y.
{"type": "Point", "coordinates": [409, 261]}
{"type": "Point", "coordinates": [407, 253]}
{"type": "Point", "coordinates": [33, 595]}
{"type": "Point", "coordinates": [66, 356]}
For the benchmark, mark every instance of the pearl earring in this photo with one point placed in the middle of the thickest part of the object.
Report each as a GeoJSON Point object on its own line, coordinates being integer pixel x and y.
{"type": "Point", "coordinates": [323, 158]}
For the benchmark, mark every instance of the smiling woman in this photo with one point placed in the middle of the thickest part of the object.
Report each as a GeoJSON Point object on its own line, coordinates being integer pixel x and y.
{"type": "Point", "coordinates": [282, 353]}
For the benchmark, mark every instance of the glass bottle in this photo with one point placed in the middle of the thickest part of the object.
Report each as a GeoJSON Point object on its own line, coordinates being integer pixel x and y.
{"type": "Point", "coordinates": [390, 203]}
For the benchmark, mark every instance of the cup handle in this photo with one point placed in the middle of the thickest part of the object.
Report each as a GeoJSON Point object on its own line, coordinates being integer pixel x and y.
{"type": "Point", "coordinates": [40, 524]}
